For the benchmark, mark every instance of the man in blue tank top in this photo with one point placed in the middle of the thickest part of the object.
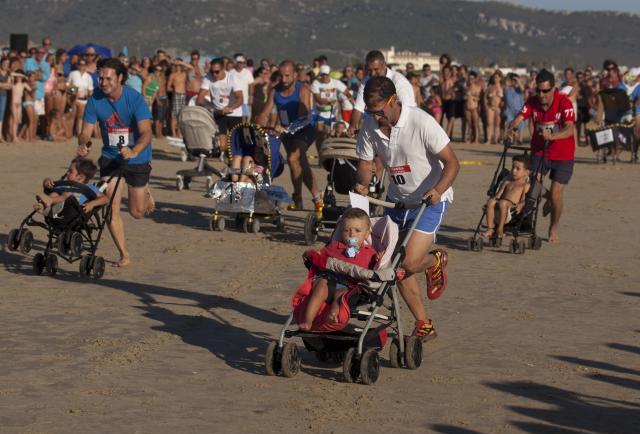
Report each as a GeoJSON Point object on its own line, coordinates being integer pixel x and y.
{"type": "Point", "coordinates": [292, 100]}
{"type": "Point", "coordinates": [125, 127]}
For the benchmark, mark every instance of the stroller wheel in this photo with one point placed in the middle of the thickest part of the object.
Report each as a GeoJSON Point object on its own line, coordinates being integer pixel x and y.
{"type": "Point", "coordinates": [255, 226]}
{"type": "Point", "coordinates": [209, 183]}
{"type": "Point", "coordinates": [350, 366]}
{"type": "Point", "coordinates": [272, 359]}
{"type": "Point", "coordinates": [311, 228]}
{"type": "Point", "coordinates": [13, 240]}
{"type": "Point", "coordinates": [26, 241]}
{"type": "Point", "coordinates": [75, 244]}
{"type": "Point", "coordinates": [394, 353]}
{"type": "Point", "coordinates": [513, 247]}
{"type": "Point", "coordinates": [370, 366]}
{"type": "Point", "coordinates": [413, 352]}
{"type": "Point", "coordinates": [38, 263]}
{"type": "Point", "coordinates": [187, 182]}
{"type": "Point", "coordinates": [290, 359]}
{"type": "Point", "coordinates": [217, 223]}
{"type": "Point", "coordinates": [97, 269]}
{"type": "Point", "coordinates": [179, 183]}
{"type": "Point", "coordinates": [280, 222]}
{"type": "Point", "coordinates": [51, 264]}
{"type": "Point", "coordinates": [470, 243]}
{"type": "Point", "coordinates": [496, 242]}
{"type": "Point", "coordinates": [479, 244]}
{"type": "Point", "coordinates": [85, 266]}
{"type": "Point", "coordinates": [522, 246]}
{"type": "Point", "coordinates": [537, 243]}
{"type": "Point", "coordinates": [243, 222]}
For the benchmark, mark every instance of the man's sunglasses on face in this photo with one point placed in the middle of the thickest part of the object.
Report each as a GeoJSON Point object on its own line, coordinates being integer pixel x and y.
{"type": "Point", "coordinates": [545, 91]}
{"type": "Point", "coordinates": [381, 111]}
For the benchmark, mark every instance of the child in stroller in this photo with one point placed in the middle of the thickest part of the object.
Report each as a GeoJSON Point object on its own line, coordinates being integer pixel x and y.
{"type": "Point", "coordinates": [509, 198]}
{"type": "Point", "coordinates": [81, 170]}
{"type": "Point", "coordinates": [354, 229]}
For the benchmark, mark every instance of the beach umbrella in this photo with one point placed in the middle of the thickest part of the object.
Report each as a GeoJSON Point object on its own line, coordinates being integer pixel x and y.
{"type": "Point", "coordinates": [80, 49]}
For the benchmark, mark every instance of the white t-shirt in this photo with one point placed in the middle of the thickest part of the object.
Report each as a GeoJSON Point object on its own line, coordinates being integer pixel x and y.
{"type": "Point", "coordinates": [404, 90]}
{"type": "Point", "coordinates": [244, 78]}
{"type": "Point", "coordinates": [83, 82]}
{"type": "Point", "coordinates": [328, 91]}
{"type": "Point", "coordinates": [409, 155]}
{"type": "Point", "coordinates": [222, 92]}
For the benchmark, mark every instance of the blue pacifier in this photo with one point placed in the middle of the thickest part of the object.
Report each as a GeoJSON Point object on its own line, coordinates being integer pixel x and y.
{"type": "Point", "coordinates": [352, 247]}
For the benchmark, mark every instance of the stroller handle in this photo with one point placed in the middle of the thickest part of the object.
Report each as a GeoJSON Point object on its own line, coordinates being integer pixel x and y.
{"type": "Point", "coordinates": [399, 205]}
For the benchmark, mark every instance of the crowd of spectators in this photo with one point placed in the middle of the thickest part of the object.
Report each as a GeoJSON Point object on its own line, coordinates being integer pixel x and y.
{"type": "Point", "coordinates": [43, 91]}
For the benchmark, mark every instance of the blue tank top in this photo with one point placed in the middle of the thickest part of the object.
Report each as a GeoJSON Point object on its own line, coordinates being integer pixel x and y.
{"type": "Point", "coordinates": [289, 106]}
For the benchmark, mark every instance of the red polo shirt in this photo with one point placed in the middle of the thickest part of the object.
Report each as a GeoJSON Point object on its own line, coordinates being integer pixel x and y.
{"type": "Point", "coordinates": [559, 113]}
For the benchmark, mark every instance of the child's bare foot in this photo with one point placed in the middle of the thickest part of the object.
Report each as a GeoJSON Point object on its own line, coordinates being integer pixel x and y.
{"type": "Point", "coordinates": [304, 326]}
{"type": "Point", "coordinates": [488, 233]}
{"type": "Point", "coordinates": [44, 199]}
{"type": "Point", "coordinates": [151, 203]}
{"type": "Point", "coordinates": [332, 317]}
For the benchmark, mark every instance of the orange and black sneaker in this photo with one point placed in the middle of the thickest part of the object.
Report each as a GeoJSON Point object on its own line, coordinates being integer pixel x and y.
{"type": "Point", "coordinates": [424, 330]}
{"type": "Point", "coordinates": [296, 203]}
{"type": "Point", "coordinates": [436, 275]}
{"type": "Point", "coordinates": [318, 205]}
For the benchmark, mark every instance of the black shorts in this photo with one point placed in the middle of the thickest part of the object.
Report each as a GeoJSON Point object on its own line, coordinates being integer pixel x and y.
{"type": "Point", "coordinates": [160, 107]}
{"type": "Point", "coordinates": [448, 108]}
{"type": "Point", "coordinates": [458, 109]}
{"type": "Point", "coordinates": [302, 138]}
{"type": "Point", "coordinates": [135, 175]}
{"type": "Point", "coordinates": [583, 115]}
{"type": "Point", "coordinates": [559, 170]}
{"type": "Point", "coordinates": [226, 123]}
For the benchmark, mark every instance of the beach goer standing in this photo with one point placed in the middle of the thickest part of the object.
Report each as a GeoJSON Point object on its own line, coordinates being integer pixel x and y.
{"type": "Point", "coordinates": [125, 127]}
{"type": "Point", "coordinates": [5, 87]}
{"type": "Point", "coordinates": [553, 122]}
{"type": "Point", "coordinates": [177, 85]}
{"type": "Point", "coordinates": [81, 80]}
{"type": "Point", "coordinates": [415, 151]}
{"type": "Point", "coordinates": [243, 77]}
{"type": "Point", "coordinates": [195, 76]}
{"type": "Point", "coordinates": [42, 70]}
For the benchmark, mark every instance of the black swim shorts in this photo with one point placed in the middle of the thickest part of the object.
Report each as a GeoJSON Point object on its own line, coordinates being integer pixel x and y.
{"type": "Point", "coordinates": [135, 175]}
{"type": "Point", "coordinates": [559, 170]}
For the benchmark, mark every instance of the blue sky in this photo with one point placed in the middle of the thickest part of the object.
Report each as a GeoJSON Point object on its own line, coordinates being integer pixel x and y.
{"type": "Point", "coordinates": [581, 5]}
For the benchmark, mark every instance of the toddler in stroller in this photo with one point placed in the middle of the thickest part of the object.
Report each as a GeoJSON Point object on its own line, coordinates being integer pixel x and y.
{"type": "Point", "coordinates": [246, 190]}
{"type": "Point", "coordinates": [354, 228]}
{"type": "Point", "coordinates": [75, 214]}
{"type": "Point", "coordinates": [509, 198]}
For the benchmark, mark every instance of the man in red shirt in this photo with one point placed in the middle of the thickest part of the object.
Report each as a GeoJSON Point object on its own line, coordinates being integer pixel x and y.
{"type": "Point", "coordinates": [553, 119]}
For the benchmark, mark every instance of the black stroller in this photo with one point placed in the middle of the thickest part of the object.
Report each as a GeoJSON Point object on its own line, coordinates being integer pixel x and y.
{"type": "Point", "coordinates": [70, 231]}
{"type": "Point", "coordinates": [369, 314]}
{"type": "Point", "coordinates": [338, 157]}
{"type": "Point", "coordinates": [522, 225]}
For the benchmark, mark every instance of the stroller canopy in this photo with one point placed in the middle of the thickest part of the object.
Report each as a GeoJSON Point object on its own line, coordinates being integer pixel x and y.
{"type": "Point", "coordinates": [248, 139]}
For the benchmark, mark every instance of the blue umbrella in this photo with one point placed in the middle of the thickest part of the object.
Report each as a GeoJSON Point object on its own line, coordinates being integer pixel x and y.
{"type": "Point", "coordinates": [80, 49]}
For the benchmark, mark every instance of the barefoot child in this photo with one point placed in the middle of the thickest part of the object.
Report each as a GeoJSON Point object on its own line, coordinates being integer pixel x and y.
{"type": "Point", "coordinates": [509, 197]}
{"type": "Point", "coordinates": [81, 170]}
{"type": "Point", "coordinates": [355, 227]}
{"type": "Point", "coordinates": [17, 93]}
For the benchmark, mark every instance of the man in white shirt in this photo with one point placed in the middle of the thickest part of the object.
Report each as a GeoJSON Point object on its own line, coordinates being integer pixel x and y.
{"type": "Point", "coordinates": [82, 81]}
{"type": "Point", "coordinates": [377, 67]}
{"type": "Point", "coordinates": [325, 92]}
{"type": "Point", "coordinates": [244, 78]}
{"type": "Point", "coordinates": [226, 97]}
{"type": "Point", "coordinates": [415, 150]}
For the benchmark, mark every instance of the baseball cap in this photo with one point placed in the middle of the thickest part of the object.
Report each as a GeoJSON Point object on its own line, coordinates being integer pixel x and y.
{"type": "Point", "coordinates": [240, 59]}
{"type": "Point", "coordinates": [325, 69]}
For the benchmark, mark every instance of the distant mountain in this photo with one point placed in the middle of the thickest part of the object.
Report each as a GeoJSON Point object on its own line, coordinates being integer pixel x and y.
{"type": "Point", "coordinates": [477, 33]}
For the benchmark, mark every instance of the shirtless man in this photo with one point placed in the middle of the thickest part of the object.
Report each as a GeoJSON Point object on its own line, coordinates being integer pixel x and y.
{"type": "Point", "coordinates": [178, 85]}
{"type": "Point", "coordinates": [195, 75]}
{"type": "Point", "coordinates": [509, 198]}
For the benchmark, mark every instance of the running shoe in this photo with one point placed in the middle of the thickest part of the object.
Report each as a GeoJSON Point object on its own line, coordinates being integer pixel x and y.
{"type": "Point", "coordinates": [436, 275]}
{"type": "Point", "coordinates": [296, 203]}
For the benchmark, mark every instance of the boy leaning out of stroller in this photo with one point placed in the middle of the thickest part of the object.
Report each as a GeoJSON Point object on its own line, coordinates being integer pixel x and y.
{"type": "Point", "coordinates": [81, 170]}
{"type": "Point", "coordinates": [509, 197]}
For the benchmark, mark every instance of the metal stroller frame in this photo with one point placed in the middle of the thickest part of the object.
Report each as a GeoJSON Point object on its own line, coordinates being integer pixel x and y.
{"type": "Point", "coordinates": [360, 357]}
{"type": "Point", "coordinates": [528, 215]}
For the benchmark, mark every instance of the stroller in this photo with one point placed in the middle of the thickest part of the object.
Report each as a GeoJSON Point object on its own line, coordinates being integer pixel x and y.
{"type": "Point", "coordinates": [70, 231]}
{"type": "Point", "coordinates": [199, 138]}
{"type": "Point", "coordinates": [611, 131]}
{"type": "Point", "coordinates": [256, 198]}
{"type": "Point", "coordinates": [338, 157]}
{"type": "Point", "coordinates": [522, 225]}
{"type": "Point", "coordinates": [351, 342]}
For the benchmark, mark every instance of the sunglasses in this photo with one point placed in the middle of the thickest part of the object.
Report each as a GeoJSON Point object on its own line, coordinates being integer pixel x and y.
{"type": "Point", "coordinates": [381, 111]}
{"type": "Point", "coordinates": [216, 72]}
{"type": "Point", "coordinates": [539, 91]}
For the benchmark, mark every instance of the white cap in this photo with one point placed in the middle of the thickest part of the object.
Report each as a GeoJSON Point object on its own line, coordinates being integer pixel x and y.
{"type": "Point", "coordinates": [635, 71]}
{"type": "Point", "coordinates": [325, 69]}
{"type": "Point", "coordinates": [240, 59]}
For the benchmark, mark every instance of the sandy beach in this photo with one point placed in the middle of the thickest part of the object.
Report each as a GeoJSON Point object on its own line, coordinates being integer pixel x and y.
{"type": "Point", "coordinates": [545, 342]}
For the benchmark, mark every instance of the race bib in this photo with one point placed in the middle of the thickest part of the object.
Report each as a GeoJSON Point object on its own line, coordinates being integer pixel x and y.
{"type": "Point", "coordinates": [551, 126]}
{"type": "Point", "coordinates": [120, 137]}
{"type": "Point", "coordinates": [399, 174]}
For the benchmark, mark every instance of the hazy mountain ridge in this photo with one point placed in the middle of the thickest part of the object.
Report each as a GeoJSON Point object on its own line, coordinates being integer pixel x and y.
{"type": "Point", "coordinates": [475, 33]}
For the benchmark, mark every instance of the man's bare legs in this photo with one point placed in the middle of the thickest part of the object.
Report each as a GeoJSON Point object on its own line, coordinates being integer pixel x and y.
{"type": "Point", "coordinates": [555, 194]}
{"type": "Point", "coordinates": [416, 261]}
{"type": "Point", "coordinates": [300, 170]}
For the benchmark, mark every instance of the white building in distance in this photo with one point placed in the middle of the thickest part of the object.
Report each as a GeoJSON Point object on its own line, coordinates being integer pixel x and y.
{"type": "Point", "coordinates": [401, 58]}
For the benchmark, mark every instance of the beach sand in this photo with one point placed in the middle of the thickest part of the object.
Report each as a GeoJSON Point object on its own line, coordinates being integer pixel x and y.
{"type": "Point", "coordinates": [544, 342]}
